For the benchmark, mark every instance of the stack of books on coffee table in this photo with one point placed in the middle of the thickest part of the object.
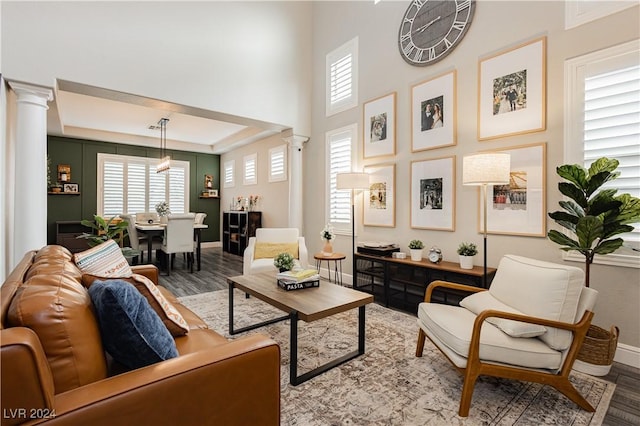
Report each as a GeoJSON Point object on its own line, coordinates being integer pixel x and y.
{"type": "Point", "coordinates": [296, 280]}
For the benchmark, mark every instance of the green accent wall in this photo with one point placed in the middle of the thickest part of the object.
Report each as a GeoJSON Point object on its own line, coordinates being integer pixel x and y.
{"type": "Point", "coordinates": [82, 156]}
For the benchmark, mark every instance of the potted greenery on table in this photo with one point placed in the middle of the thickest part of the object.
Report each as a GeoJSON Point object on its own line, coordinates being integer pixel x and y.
{"type": "Point", "coordinates": [283, 261]}
{"type": "Point", "coordinates": [594, 217]}
{"type": "Point", "coordinates": [415, 247]}
{"type": "Point", "coordinates": [466, 252]}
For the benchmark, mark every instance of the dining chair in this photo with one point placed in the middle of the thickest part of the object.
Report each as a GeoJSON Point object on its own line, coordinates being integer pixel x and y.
{"type": "Point", "coordinates": [137, 241]}
{"type": "Point", "coordinates": [200, 217]}
{"type": "Point", "coordinates": [178, 238]}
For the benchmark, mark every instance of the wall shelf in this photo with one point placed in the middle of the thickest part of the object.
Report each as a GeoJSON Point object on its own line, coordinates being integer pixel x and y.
{"type": "Point", "coordinates": [64, 193]}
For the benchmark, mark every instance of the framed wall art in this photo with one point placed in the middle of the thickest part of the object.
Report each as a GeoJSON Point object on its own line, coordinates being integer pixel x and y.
{"type": "Point", "coordinates": [379, 124]}
{"type": "Point", "coordinates": [433, 194]}
{"type": "Point", "coordinates": [519, 208]}
{"type": "Point", "coordinates": [208, 182]}
{"type": "Point", "coordinates": [433, 113]}
{"type": "Point", "coordinates": [380, 199]}
{"type": "Point", "coordinates": [70, 187]}
{"type": "Point", "coordinates": [511, 91]}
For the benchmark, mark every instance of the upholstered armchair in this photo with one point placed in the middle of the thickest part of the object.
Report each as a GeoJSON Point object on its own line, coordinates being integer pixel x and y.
{"type": "Point", "coordinates": [268, 242]}
{"type": "Point", "coordinates": [528, 326]}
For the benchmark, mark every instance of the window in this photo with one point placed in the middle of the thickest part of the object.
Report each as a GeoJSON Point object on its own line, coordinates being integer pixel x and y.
{"type": "Point", "coordinates": [580, 12]}
{"type": "Point", "coordinates": [250, 169]}
{"type": "Point", "coordinates": [340, 144]}
{"type": "Point", "coordinates": [131, 184]}
{"type": "Point", "coordinates": [278, 163]}
{"type": "Point", "coordinates": [342, 78]}
{"type": "Point", "coordinates": [603, 120]}
{"type": "Point", "coordinates": [229, 169]}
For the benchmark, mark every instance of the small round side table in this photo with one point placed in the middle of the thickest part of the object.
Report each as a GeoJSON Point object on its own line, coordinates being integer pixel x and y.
{"type": "Point", "coordinates": [337, 259]}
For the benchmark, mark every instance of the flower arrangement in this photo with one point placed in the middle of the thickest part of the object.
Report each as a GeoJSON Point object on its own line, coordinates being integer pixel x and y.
{"type": "Point", "coordinates": [163, 208]}
{"type": "Point", "coordinates": [467, 249]}
{"type": "Point", "coordinates": [283, 261]}
{"type": "Point", "coordinates": [416, 245]}
{"type": "Point", "coordinates": [327, 233]}
{"type": "Point", "coordinates": [253, 201]}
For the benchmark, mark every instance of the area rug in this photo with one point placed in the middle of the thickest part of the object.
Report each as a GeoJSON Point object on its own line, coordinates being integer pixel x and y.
{"type": "Point", "coordinates": [388, 385]}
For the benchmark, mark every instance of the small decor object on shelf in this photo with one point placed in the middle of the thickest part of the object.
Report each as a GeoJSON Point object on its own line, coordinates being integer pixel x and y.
{"type": "Point", "coordinates": [64, 173]}
{"type": "Point", "coordinates": [70, 187]}
{"type": "Point", "coordinates": [466, 251]}
{"type": "Point", "coordinates": [327, 235]}
{"type": "Point", "coordinates": [435, 255]}
{"type": "Point", "coordinates": [208, 182]}
{"type": "Point", "coordinates": [162, 208]}
{"type": "Point", "coordinates": [253, 202]}
{"type": "Point", "coordinates": [416, 246]}
{"type": "Point", "coordinates": [283, 261]}
{"type": "Point", "coordinates": [56, 188]}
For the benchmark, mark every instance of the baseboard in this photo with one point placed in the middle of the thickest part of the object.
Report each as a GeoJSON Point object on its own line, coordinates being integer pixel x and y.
{"type": "Point", "coordinates": [628, 355]}
{"type": "Point", "coordinates": [212, 244]}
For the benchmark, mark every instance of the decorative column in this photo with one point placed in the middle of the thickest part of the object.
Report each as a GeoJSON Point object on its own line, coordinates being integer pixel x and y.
{"type": "Point", "coordinates": [30, 184]}
{"type": "Point", "coordinates": [296, 143]}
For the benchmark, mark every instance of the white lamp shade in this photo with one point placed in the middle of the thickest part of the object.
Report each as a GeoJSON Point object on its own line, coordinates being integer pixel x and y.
{"type": "Point", "coordinates": [490, 168]}
{"type": "Point", "coordinates": [352, 181]}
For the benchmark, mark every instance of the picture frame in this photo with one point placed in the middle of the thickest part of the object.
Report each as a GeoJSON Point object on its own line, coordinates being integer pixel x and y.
{"type": "Point", "coordinates": [64, 173]}
{"type": "Point", "coordinates": [433, 194]}
{"type": "Point", "coordinates": [379, 126]}
{"type": "Point", "coordinates": [212, 192]}
{"type": "Point", "coordinates": [70, 188]}
{"type": "Point", "coordinates": [519, 208]}
{"type": "Point", "coordinates": [512, 91]}
{"type": "Point", "coordinates": [380, 200]}
{"type": "Point", "coordinates": [208, 182]}
{"type": "Point", "coordinates": [427, 130]}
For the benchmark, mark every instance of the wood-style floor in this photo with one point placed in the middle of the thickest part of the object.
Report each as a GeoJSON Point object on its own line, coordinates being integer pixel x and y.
{"type": "Point", "coordinates": [217, 265]}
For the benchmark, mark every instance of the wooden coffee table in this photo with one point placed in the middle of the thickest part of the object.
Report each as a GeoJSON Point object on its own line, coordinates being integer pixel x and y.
{"type": "Point", "coordinates": [308, 305]}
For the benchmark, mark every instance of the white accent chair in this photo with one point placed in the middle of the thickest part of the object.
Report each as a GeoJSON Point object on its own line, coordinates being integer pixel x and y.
{"type": "Point", "coordinates": [552, 311]}
{"type": "Point", "coordinates": [139, 242]}
{"type": "Point", "coordinates": [252, 265]}
{"type": "Point", "coordinates": [178, 238]}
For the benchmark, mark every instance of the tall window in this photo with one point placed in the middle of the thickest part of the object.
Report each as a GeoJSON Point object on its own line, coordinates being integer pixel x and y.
{"type": "Point", "coordinates": [340, 144]}
{"type": "Point", "coordinates": [278, 163]}
{"type": "Point", "coordinates": [603, 120]}
{"type": "Point", "coordinates": [130, 185]}
{"type": "Point", "coordinates": [250, 169]}
{"type": "Point", "coordinates": [342, 78]}
{"type": "Point", "coordinates": [229, 170]}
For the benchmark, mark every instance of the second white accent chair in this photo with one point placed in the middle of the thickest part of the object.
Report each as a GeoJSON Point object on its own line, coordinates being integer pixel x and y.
{"type": "Point", "coordinates": [137, 241]}
{"type": "Point", "coordinates": [178, 238]}
{"type": "Point", "coordinates": [268, 242]}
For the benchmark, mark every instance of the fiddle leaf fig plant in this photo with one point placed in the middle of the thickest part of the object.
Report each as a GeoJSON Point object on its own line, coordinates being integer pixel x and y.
{"type": "Point", "coordinates": [104, 230]}
{"type": "Point", "coordinates": [593, 215]}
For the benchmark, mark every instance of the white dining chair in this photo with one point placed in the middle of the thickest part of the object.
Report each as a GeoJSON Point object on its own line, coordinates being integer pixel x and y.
{"type": "Point", "coordinates": [137, 241]}
{"type": "Point", "coordinates": [178, 238]}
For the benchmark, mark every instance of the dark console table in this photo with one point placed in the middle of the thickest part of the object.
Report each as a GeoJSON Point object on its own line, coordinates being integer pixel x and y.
{"type": "Point", "coordinates": [401, 283]}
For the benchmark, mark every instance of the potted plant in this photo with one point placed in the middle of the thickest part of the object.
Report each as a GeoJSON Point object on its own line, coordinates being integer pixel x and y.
{"type": "Point", "coordinates": [113, 229]}
{"type": "Point", "coordinates": [283, 261]}
{"type": "Point", "coordinates": [162, 208]}
{"type": "Point", "coordinates": [593, 216]}
{"type": "Point", "coordinates": [56, 187]}
{"type": "Point", "coordinates": [416, 246]}
{"type": "Point", "coordinates": [466, 251]}
{"type": "Point", "coordinates": [327, 235]}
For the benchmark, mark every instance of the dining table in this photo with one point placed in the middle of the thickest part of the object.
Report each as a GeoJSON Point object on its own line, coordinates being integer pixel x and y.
{"type": "Point", "coordinates": [152, 230]}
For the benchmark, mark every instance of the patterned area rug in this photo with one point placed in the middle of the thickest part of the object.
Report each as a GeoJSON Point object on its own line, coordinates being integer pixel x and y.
{"type": "Point", "coordinates": [388, 385]}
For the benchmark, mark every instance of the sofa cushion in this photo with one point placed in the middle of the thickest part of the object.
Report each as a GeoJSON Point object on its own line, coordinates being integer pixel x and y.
{"type": "Point", "coordinates": [266, 250]}
{"type": "Point", "coordinates": [540, 289]}
{"type": "Point", "coordinates": [483, 301]}
{"type": "Point", "coordinates": [170, 316]}
{"type": "Point", "coordinates": [132, 332]}
{"type": "Point", "coordinates": [104, 260]}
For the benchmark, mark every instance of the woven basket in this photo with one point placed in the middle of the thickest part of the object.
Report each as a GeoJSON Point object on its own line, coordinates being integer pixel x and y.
{"type": "Point", "coordinates": [599, 346]}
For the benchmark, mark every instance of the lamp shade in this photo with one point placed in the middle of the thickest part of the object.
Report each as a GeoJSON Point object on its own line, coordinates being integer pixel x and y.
{"type": "Point", "coordinates": [352, 181]}
{"type": "Point", "coordinates": [490, 168]}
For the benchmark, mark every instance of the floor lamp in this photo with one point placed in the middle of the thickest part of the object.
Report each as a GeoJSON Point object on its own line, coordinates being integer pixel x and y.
{"type": "Point", "coordinates": [353, 182]}
{"type": "Point", "coordinates": [484, 169]}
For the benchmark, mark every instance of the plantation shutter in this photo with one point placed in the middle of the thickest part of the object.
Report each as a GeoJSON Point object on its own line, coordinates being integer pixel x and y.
{"type": "Point", "coordinates": [339, 162]}
{"type": "Point", "coordinates": [136, 187]}
{"type": "Point", "coordinates": [157, 188]}
{"type": "Point", "coordinates": [177, 189]}
{"type": "Point", "coordinates": [277, 163]}
{"type": "Point", "coordinates": [342, 78]}
{"type": "Point", "coordinates": [229, 167]}
{"type": "Point", "coordinates": [113, 188]}
{"type": "Point", "coordinates": [250, 170]}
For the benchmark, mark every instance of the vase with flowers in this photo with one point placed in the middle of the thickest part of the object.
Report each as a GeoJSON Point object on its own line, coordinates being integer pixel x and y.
{"type": "Point", "coordinates": [327, 235]}
{"type": "Point", "coordinates": [163, 210]}
{"type": "Point", "coordinates": [253, 202]}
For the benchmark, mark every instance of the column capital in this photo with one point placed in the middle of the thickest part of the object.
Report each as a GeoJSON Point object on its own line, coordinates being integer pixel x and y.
{"type": "Point", "coordinates": [29, 93]}
{"type": "Point", "coordinates": [296, 141]}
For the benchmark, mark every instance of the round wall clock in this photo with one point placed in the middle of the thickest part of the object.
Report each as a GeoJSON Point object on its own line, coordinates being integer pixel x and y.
{"type": "Point", "coordinates": [431, 29]}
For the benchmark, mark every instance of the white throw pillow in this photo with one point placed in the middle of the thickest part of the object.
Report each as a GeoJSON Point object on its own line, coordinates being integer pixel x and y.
{"type": "Point", "coordinates": [484, 301]}
{"type": "Point", "coordinates": [105, 260]}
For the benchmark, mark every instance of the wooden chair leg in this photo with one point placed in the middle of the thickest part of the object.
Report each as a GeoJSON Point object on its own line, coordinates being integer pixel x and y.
{"type": "Point", "coordinates": [470, 378]}
{"type": "Point", "coordinates": [565, 387]}
{"type": "Point", "coordinates": [420, 345]}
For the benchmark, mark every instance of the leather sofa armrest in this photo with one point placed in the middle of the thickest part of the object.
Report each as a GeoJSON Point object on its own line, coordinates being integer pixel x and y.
{"type": "Point", "coordinates": [149, 271]}
{"type": "Point", "coordinates": [27, 384]}
{"type": "Point", "coordinates": [237, 383]}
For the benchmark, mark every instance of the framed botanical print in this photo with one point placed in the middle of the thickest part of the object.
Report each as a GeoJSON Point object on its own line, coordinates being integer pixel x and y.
{"type": "Point", "coordinates": [379, 124]}
{"type": "Point", "coordinates": [512, 91]}
{"type": "Point", "coordinates": [380, 199]}
{"type": "Point", "coordinates": [433, 194]}
{"type": "Point", "coordinates": [433, 113]}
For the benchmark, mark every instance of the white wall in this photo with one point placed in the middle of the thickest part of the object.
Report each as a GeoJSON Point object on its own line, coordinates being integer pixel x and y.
{"type": "Point", "coordinates": [496, 25]}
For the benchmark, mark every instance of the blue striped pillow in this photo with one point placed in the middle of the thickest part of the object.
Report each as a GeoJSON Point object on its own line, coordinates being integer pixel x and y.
{"type": "Point", "coordinates": [105, 260]}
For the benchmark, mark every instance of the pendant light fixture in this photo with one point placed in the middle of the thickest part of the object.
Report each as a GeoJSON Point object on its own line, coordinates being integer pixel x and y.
{"type": "Point", "coordinates": [165, 160]}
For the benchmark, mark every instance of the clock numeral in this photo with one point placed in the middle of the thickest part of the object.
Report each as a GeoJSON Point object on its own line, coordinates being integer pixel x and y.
{"type": "Point", "coordinates": [418, 56]}
{"type": "Point", "coordinates": [408, 21]}
{"type": "Point", "coordinates": [432, 53]}
{"type": "Point", "coordinates": [408, 49]}
{"type": "Point", "coordinates": [462, 5]}
{"type": "Point", "coordinates": [447, 43]}
{"type": "Point", "coordinates": [405, 37]}
{"type": "Point", "coordinates": [459, 25]}
{"type": "Point", "coordinates": [418, 3]}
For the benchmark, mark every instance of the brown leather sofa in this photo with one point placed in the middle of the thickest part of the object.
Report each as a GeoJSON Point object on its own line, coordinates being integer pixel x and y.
{"type": "Point", "coordinates": [54, 368]}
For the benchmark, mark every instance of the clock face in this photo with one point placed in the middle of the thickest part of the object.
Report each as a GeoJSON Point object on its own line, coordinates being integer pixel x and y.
{"type": "Point", "coordinates": [435, 255]}
{"type": "Point", "coordinates": [431, 29]}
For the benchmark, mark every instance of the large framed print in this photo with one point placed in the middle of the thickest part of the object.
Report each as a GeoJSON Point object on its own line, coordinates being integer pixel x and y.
{"type": "Point", "coordinates": [519, 208]}
{"type": "Point", "coordinates": [380, 199]}
{"type": "Point", "coordinates": [433, 113]}
{"type": "Point", "coordinates": [512, 91]}
{"type": "Point", "coordinates": [433, 194]}
{"type": "Point", "coordinates": [379, 124]}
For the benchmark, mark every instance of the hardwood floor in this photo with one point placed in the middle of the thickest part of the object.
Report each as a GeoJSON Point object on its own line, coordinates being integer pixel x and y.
{"type": "Point", "coordinates": [624, 409]}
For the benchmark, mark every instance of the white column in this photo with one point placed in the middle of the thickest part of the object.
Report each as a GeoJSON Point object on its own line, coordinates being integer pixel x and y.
{"type": "Point", "coordinates": [296, 143]}
{"type": "Point", "coordinates": [30, 201]}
